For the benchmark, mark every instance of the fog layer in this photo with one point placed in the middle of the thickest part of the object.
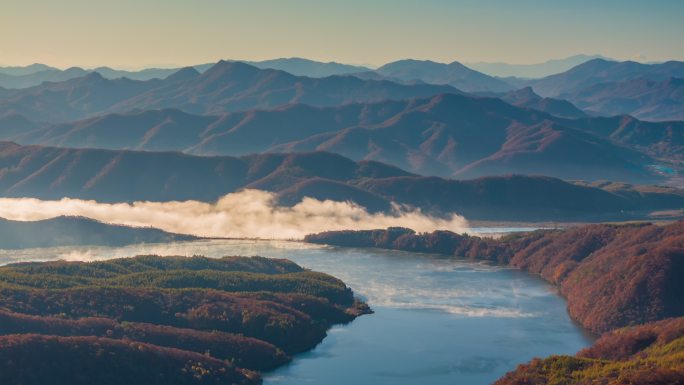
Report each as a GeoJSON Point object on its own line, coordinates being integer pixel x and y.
{"type": "Point", "coordinates": [245, 214]}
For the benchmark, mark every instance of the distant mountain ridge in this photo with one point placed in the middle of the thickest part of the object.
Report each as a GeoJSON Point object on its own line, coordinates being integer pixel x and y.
{"type": "Point", "coordinates": [25, 70]}
{"type": "Point", "coordinates": [642, 98]}
{"type": "Point", "coordinates": [537, 70]}
{"type": "Point", "coordinates": [29, 79]}
{"type": "Point", "coordinates": [225, 87]}
{"type": "Point", "coordinates": [304, 67]}
{"type": "Point", "coordinates": [454, 74]}
{"type": "Point", "coordinates": [596, 85]}
{"type": "Point", "coordinates": [35, 74]}
{"type": "Point", "coordinates": [604, 71]}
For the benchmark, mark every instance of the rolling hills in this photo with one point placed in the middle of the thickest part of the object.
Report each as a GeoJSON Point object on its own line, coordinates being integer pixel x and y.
{"type": "Point", "coordinates": [163, 320]}
{"type": "Point", "coordinates": [446, 135]}
{"type": "Point", "coordinates": [71, 231]}
{"type": "Point", "coordinates": [125, 176]}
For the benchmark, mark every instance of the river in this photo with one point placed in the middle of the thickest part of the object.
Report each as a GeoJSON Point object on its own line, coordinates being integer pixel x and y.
{"type": "Point", "coordinates": [436, 321]}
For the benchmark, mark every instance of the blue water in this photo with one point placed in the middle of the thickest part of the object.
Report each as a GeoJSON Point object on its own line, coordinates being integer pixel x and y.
{"type": "Point", "coordinates": [436, 321]}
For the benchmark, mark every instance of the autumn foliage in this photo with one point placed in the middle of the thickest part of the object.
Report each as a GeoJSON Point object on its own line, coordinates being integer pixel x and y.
{"type": "Point", "coordinates": [650, 354]}
{"type": "Point", "coordinates": [611, 275]}
{"type": "Point", "coordinates": [162, 320]}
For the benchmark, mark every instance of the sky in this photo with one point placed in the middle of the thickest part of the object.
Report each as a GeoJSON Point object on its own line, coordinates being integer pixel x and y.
{"type": "Point", "coordinates": [170, 33]}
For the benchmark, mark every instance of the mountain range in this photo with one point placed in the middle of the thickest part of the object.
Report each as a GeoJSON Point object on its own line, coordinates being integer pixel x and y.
{"type": "Point", "coordinates": [454, 74]}
{"type": "Point", "coordinates": [639, 97]}
{"type": "Point", "coordinates": [604, 71]}
{"type": "Point", "coordinates": [236, 109]}
{"type": "Point", "coordinates": [35, 74]}
{"type": "Point", "coordinates": [597, 85]}
{"type": "Point", "coordinates": [537, 70]}
{"type": "Point", "coordinates": [225, 87]}
{"type": "Point", "coordinates": [527, 98]}
{"type": "Point", "coordinates": [116, 176]}
{"type": "Point", "coordinates": [446, 135]}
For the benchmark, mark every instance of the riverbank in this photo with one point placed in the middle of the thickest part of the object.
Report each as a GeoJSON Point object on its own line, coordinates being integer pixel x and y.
{"type": "Point", "coordinates": [613, 277]}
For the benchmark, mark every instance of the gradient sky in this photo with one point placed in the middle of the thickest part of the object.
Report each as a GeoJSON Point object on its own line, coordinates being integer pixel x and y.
{"type": "Point", "coordinates": [138, 33]}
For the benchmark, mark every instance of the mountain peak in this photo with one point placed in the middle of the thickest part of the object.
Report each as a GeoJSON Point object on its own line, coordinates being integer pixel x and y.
{"type": "Point", "coordinates": [458, 64]}
{"type": "Point", "coordinates": [224, 67]}
{"type": "Point", "coordinates": [594, 64]}
{"type": "Point", "coordinates": [183, 74]}
{"type": "Point", "coordinates": [93, 77]}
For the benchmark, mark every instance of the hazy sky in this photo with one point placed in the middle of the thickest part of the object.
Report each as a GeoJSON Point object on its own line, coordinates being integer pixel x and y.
{"type": "Point", "coordinates": [137, 33]}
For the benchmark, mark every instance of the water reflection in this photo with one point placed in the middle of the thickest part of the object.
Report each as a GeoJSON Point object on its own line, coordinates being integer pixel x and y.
{"type": "Point", "coordinates": [437, 321]}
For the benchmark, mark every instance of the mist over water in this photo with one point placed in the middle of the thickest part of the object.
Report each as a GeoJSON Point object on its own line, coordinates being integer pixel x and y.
{"type": "Point", "coordinates": [437, 322]}
{"type": "Point", "coordinates": [245, 214]}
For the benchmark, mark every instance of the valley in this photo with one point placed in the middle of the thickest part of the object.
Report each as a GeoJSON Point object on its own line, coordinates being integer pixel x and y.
{"type": "Point", "coordinates": [335, 193]}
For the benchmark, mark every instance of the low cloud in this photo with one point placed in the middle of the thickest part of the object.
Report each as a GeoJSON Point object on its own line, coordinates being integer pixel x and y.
{"type": "Point", "coordinates": [246, 214]}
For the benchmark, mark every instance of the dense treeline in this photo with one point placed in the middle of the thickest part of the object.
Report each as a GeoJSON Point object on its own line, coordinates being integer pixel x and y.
{"type": "Point", "coordinates": [142, 263]}
{"type": "Point", "coordinates": [249, 353]}
{"type": "Point", "coordinates": [233, 274]}
{"type": "Point", "coordinates": [611, 275]}
{"type": "Point", "coordinates": [650, 354]}
{"type": "Point", "coordinates": [39, 359]}
{"type": "Point", "coordinates": [249, 312]}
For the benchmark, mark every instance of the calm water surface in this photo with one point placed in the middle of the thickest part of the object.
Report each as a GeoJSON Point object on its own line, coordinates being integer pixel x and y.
{"type": "Point", "coordinates": [435, 321]}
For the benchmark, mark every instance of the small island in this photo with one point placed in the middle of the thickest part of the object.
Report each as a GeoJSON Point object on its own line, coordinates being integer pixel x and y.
{"type": "Point", "coordinates": [163, 320]}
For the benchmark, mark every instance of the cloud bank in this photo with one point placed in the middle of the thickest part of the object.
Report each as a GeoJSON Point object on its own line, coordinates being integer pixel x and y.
{"type": "Point", "coordinates": [245, 214]}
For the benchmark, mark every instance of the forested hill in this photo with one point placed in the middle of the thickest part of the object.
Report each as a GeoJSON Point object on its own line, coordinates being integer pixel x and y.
{"type": "Point", "coordinates": [613, 276]}
{"type": "Point", "coordinates": [74, 231]}
{"type": "Point", "coordinates": [162, 320]}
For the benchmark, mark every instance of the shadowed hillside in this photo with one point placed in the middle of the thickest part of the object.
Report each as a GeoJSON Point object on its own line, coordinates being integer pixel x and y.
{"type": "Point", "coordinates": [124, 176]}
{"type": "Point", "coordinates": [70, 231]}
{"type": "Point", "coordinates": [641, 98]}
{"type": "Point", "coordinates": [445, 135]}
